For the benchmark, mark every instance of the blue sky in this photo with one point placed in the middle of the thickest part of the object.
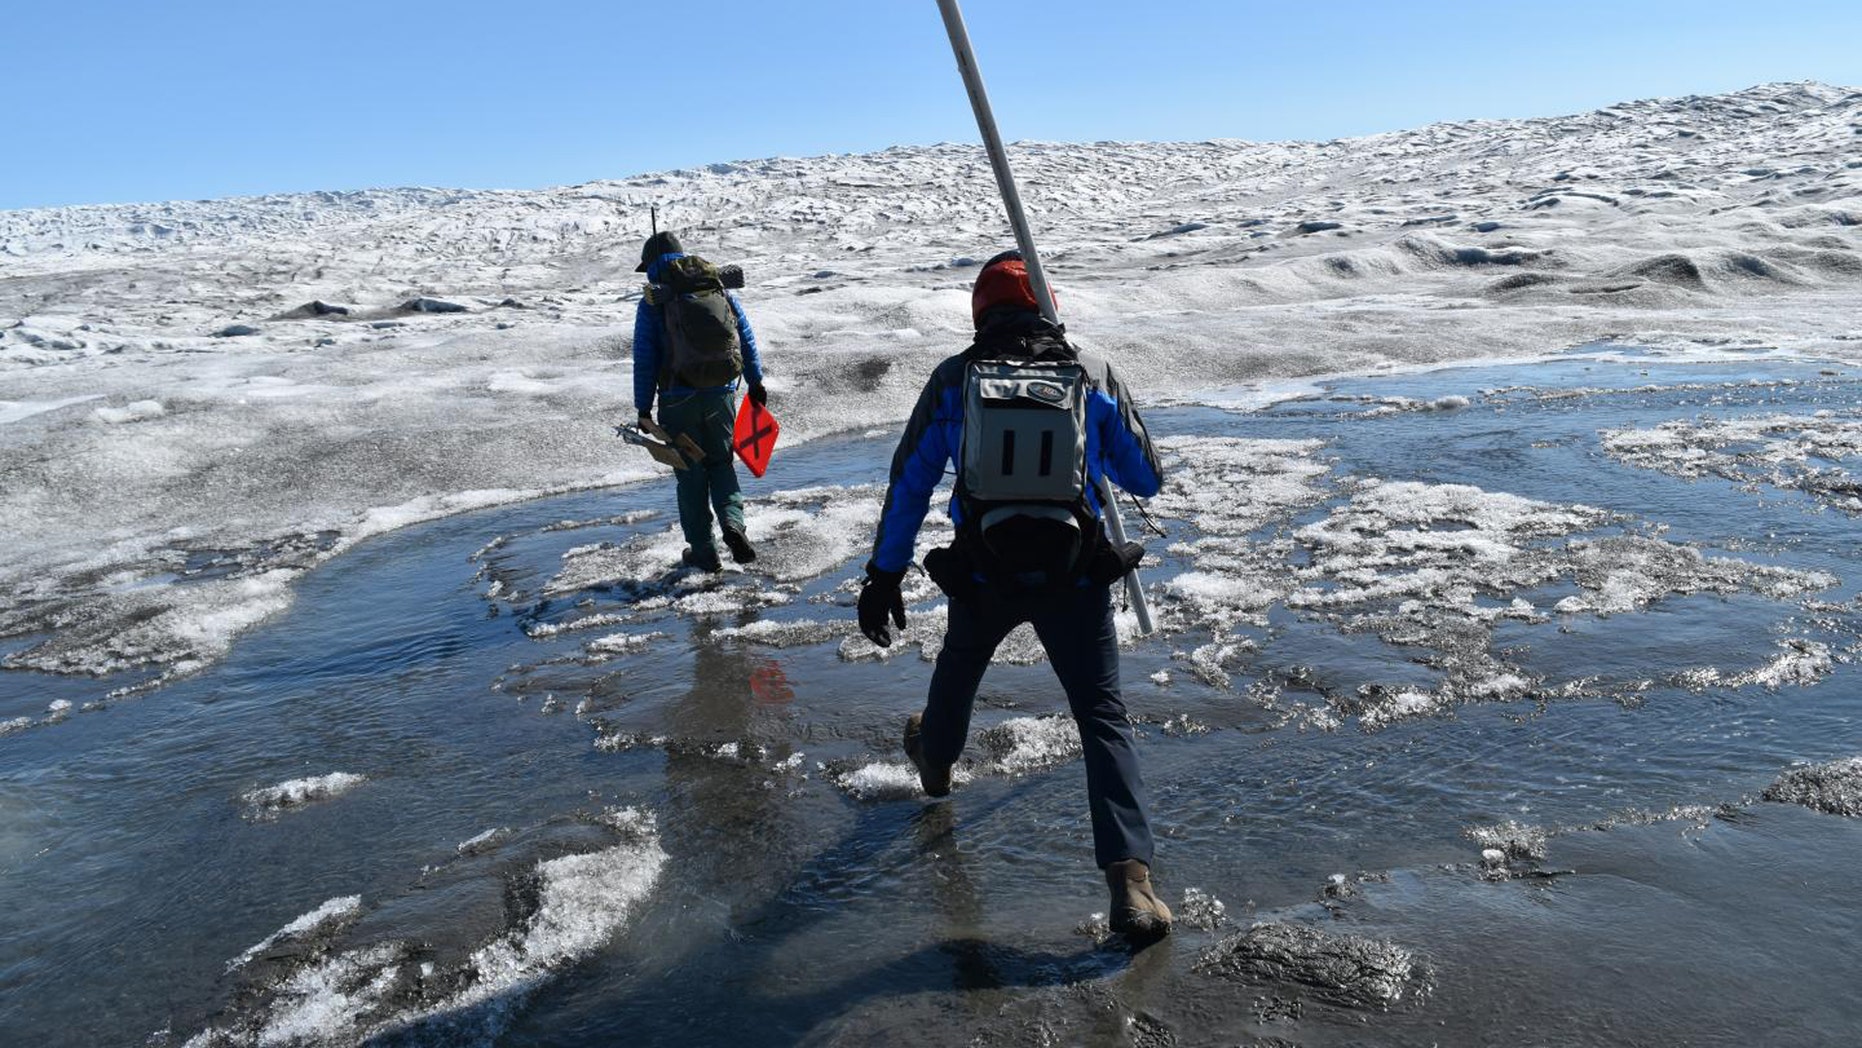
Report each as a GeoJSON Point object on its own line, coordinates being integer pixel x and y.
{"type": "Point", "coordinates": [108, 101]}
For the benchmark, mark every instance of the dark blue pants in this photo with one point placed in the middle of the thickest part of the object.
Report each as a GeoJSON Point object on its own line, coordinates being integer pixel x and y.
{"type": "Point", "coordinates": [1076, 629]}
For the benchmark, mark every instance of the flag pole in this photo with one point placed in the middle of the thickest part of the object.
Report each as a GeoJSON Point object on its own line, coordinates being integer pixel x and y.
{"type": "Point", "coordinates": [1024, 239]}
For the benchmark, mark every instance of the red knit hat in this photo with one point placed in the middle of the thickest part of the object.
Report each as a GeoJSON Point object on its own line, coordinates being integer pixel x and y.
{"type": "Point", "coordinates": [1003, 282]}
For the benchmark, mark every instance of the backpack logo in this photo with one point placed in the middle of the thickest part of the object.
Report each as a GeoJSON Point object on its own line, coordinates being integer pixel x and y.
{"type": "Point", "coordinates": [702, 349]}
{"type": "Point", "coordinates": [1047, 391]}
{"type": "Point", "coordinates": [1022, 469]}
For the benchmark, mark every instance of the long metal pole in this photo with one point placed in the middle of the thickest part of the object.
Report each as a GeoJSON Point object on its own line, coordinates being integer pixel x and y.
{"type": "Point", "coordinates": [1024, 239]}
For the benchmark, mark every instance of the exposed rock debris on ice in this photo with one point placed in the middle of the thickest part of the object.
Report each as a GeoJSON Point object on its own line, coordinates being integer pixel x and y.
{"type": "Point", "coordinates": [1200, 910]}
{"type": "Point", "coordinates": [1513, 840]}
{"type": "Point", "coordinates": [1336, 966]}
{"type": "Point", "coordinates": [1834, 787]}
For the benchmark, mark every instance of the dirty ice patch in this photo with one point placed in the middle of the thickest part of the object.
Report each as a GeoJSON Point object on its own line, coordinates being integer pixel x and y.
{"type": "Point", "coordinates": [1222, 600]}
{"type": "Point", "coordinates": [288, 796]}
{"type": "Point", "coordinates": [1232, 486]}
{"type": "Point", "coordinates": [1816, 454]}
{"type": "Point", "coordinates": [382, 519]}
{"type": "Point", "coordinates": [619, 645]}
{"type": "Point", "coordinates": [1389, 705]}
{"type": "Point", "coordinates": [644, 561]}
{"type": "Point", "coordinates": [727, 600]}
{"type": "Point", "coordinates": [1200, 910]}
{"type": "Point", "coordinates": [481, 843]}
{"type": "Point", "coordinates": [888, 780]}
{"type": "Point", "coordinates": [1512, 839]}
{"type": "Point", "coordinates": [1801, 662]}
{"type": "Point", "coordinates": [924, 631]}
{"type": "Point", "coordinates": [647, 565]}
{"type": "Point", "coordinates": [1227, 489]}
{"type": "Point", "coordinates": [1439, 545]}
{"type": "Point", "coordinates": [1016, 746]}
{"type": "Point", "coordinates": [807, 532]}
{"type": "Point", "coordinates": [583, 900]}
{"type": "Point", "coordinates": [1410, 561]}
{"type": "Point", "coordinates": [545, 630]}
{"type": "Point", "coordinates": [1625, 573]}
{"type": "Point", "coordinates": [1439, 566]}
{"type": "Point", "coordinates": [334, 912]}
{"type": "Point", "coordinates": [1338, 967]}
{"type": "Point", "coordinates": [1397, 405]}
{"type": "Point", "coordinates": [646, 572]}
{"type": "Point", "coordinates": [1834, 787]}
{"type": "Point", "coordinates": [182, 627]}
{"type": "Point", "coordinates": [795, 633]}
{"type": "Point", "coordinates": [1024, 744]}
{"type": "Point", "coordinates": [881, 781]}
{"type": "Point", "coordinates": [136, 411]}
{"type": "Point", "coordinates": [572, 906]}
{"type": "Point", "coordinates": [799, 535]}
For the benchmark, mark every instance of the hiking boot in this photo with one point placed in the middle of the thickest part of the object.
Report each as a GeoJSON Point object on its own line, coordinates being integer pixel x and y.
{"type": "Point", "coordinates": [1136, 912]}
{"type": "Point", "coordinates": [936, 781]}
{"type": "Point", "coordinates": [705, 560]}
{"type": "Point", "coordinates": [741, 550]}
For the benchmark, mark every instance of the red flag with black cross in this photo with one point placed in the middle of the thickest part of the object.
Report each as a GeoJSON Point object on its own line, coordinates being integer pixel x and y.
{"type": "Point", "coordinates": [754, 436]}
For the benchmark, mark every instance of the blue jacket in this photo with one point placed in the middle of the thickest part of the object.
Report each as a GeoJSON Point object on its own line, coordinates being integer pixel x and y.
{"type": "Point", "coordinates": [1117, 445]}
{"type": "Point", "coordinates": [650, 347]}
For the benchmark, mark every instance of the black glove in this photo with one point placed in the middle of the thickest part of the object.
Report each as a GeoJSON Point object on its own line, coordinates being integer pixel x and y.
{"type": "Point", "coordinates": [645, 420]}
{"type": "Point", "coordinates": [880, 596]}
{"type": "Point", "coordinates": [758, 395]}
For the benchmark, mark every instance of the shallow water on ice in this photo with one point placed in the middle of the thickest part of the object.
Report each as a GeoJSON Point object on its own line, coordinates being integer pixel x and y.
{"type": "Point", "coordinates": [512, 776]}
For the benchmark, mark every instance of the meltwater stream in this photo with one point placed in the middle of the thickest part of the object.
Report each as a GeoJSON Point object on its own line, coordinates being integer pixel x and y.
{"type": "Point", "coordinates": [1470, 687]}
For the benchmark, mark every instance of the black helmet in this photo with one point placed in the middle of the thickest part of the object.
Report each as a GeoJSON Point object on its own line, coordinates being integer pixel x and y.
{"type": "Point", "coordinates": [665, 242]}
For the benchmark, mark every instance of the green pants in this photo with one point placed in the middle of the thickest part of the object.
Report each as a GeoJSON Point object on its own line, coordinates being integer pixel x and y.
{"type": "Point", "coordinates": [707, 418]}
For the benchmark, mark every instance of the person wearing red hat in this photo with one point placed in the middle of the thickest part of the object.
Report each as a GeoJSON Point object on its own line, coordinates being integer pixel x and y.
{"type": "Point", "coordinates": [1055, 567]}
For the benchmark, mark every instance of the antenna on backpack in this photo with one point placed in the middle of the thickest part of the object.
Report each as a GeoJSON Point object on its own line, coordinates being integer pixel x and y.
{"type": "Point", "coordinates": [1024, 239]}
{"type": "Point", "coordinates": [655, 211]}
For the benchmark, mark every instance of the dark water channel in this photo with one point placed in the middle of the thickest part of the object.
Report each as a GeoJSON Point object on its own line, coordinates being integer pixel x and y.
{"type": "Point", "coordinates": [1662, 901]}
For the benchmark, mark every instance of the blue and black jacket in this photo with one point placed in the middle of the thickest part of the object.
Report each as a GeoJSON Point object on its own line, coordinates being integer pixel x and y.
{"type": "Point", "coordinates": [1117, 444]}
{"type": "Point", "coordinates": [650, 347]}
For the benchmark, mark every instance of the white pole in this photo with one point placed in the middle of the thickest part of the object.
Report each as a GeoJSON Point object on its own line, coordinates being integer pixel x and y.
{"type": "Point", "coordinates": [1024, 239]}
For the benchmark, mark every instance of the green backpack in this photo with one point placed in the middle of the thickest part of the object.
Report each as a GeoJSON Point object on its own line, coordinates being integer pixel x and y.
{"type": "Point", "coordinates": [702, 349]}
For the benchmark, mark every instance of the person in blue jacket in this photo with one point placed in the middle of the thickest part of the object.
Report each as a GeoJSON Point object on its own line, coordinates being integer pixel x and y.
{"type": "Point", "coordinates": [706, 415]}
{"type": "Point", "coordinates": [1071, 615]}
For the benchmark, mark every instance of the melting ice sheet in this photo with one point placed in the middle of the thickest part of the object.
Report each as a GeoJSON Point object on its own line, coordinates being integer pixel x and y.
{"type": "Point", "coordinates": [1412, 663]}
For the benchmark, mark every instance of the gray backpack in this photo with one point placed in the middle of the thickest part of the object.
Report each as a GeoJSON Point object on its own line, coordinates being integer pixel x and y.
{"type": "Point", "coordinates": [1022, 475]}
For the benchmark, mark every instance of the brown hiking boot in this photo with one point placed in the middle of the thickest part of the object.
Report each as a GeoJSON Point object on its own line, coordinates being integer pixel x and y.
{"type": "Point", "coordinates": [936, 781]}
{"type": "Point", "coordinates": [1136, 912]}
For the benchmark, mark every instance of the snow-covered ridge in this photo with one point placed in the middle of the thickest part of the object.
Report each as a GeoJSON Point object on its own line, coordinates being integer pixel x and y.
{"type": "Point", "coordinates": [1720, 144]}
